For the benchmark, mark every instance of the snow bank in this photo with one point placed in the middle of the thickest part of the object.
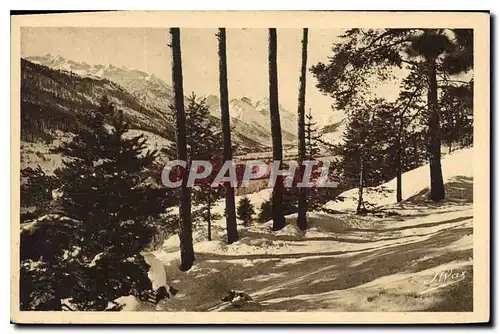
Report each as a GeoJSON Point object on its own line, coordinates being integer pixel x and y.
{"type": "Point", "coordinates": [128, 303]}
{"type": "Point", "coordinates": [458, 163]}
{"type": "Point", "coordinates": [343, 262]}
{"type": "Point", "coordinates": [156, 274]}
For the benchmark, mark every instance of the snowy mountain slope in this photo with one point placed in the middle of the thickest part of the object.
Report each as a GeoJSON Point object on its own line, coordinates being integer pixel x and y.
{"type": "Point", "coordinates": [150, 90]}
{"type": "Point", "coordinates": [288, 119]}
{"type": "Point", "coordinates": [455, 165]}
{"type": "Point", "coordinates": [343, 262]}
{"type": "Point", "coordinates": [251, 122]}
{"type": "Point", "coordinates": [253, 119]}
{"type": "Point", "coordinates": [332, 127]}
{"type": "Point", "coordinates": [56, 100]}
{"type": "Point", "coordinates": [334, 132]}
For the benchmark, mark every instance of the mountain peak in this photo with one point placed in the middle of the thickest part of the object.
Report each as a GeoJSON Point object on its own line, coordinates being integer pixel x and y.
{"type": "Point", "coordinates": [212, 101]}
{"type": "Point", "coordinates": [264, 104]}
{"type": "Point", "coordinates": [246, 100]}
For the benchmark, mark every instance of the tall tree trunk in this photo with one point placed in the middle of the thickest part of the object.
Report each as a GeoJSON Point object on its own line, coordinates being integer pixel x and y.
{"type": "Point", "coordinates": [209, 214]}
{"type": "Point", "coordinates": [399, 161]}
{"type": "Point", "coordinates": [437, 186]}
{"type": "Point", "coordinates": [399, 177]}
{"type": "Point", "coordinates": [302, 200]}
{"type": "Point", "coordinates": [231, 227]}
{"type": "Point", "coordinates": [185, 224]}
{"type": "Point", "coordinates": [278, 190]}
{"type": "Point", "coordinates": [361, 204]}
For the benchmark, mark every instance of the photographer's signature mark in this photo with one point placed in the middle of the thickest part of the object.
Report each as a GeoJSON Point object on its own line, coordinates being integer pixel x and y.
{"type": "Point", "coordinates": [445, 278]}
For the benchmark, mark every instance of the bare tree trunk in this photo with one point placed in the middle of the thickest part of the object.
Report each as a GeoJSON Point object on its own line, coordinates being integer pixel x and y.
{"type": "Point", "coordinates": [437, 186]}
{"type": "Point", "coordinates": [185, 224]}
{"type": "Point", "coordinates": [399, 161]}
{"type": "Point", "coordinates": [302, 200]}
{"type": "Point", "coordinates": [278, 191]}
{"type": "Point", "coordinates": [399, 181]}
{"type": "Point", "coordinates": [231, 227]}
{"type": "Point", "coordinates": [209, 214]}
{"type": "Point", "coordinates": [361, 205]}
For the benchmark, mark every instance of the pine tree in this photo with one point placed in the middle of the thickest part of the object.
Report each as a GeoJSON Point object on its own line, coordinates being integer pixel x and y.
{"type": "Point", "coordinates": [107, 215]}
{"type": "Point", "coordinates": [48, 271]}
{"type": "Point", "coordinates": [385, 140]}
{"type": "Point", "coordinates": [278, 190]}
{"type": "Point", "coordinates": [36, 192]}
{"type": "Point", "coordinates": [231, 227]}
{"type": "Point", "coordinates": [302, 192]}
{"type": "Point", "coordinates": [104, 188]}
{"type": "Point", "coordinates": [361, 154]}
{"type": "Point", "coordinates": [266, 212]}
{"type": "Point", "coordinates": [430, 45]}
{"type": "Point", "coordinates": [204, 142]}
{"type": "Point", "coordinates": [400, 124]}
{"type": "Point", "coordinates": [313, 138]}
{"type": "Point", "coordinates": [456, 115]}
{"type": "Point", "coordinates": [316, 196]}
{"type": "Point", "coordinates": [185, 223]}
{"type": "Point", "coordinates": [245, 210]}
{"type": "Point", "coordinates": [365, 53]}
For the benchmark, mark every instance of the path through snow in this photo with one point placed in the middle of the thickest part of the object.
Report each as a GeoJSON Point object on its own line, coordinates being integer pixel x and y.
{"type": "Point", "coordinates": [417, 260]}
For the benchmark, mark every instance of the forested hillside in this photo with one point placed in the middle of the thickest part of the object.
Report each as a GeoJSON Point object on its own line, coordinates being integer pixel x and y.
{"type": "Point", "coordinates": [53, 99]}
{"type": "Point", "coordinates": [57, 100]}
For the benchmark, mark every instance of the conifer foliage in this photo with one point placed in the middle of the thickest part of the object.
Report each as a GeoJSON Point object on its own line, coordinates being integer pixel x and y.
{"type": "Point", "coordinates": [245, 210]}
{"type": "Point", "coordinates": [36, 191]}
{"type": "Point", "coordinates": [108, 214]}
{"type": "Point", "coordinates": [456, 115]}
{"type": "Point", "coordinates": [313, 138]}
{"type": "Point", "coordinates": [317, 196]}
{"type": "Point", "coordinates": [366, 53]}
{"type": "Point", "coordinates": [360, 153]}
{"type": "Point", "coordinates": [204, 142]}
{"type": "Point", "coordinates": [302, 192]}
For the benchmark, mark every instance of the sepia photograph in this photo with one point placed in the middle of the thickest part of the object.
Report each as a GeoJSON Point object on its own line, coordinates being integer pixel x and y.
{"type": "Point", "coordinates": [285, 167]}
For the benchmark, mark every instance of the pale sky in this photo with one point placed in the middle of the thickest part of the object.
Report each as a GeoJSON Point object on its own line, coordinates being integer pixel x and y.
{"type": "Point", "coordinates": [147, 49]}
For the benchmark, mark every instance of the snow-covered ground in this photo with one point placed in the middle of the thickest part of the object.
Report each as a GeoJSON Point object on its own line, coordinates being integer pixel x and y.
{"type": "Point", "coordinates": [457, 164]}
{"type": "Point", "coordinates": [41, 154]}
{"type": "Point", "coordinates": [417, 257]}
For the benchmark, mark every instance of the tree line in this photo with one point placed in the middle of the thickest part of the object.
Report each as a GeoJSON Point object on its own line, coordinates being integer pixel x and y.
{"type": "Point", "coordinates": [277, 207]}
{"type": "Point", "coordinates": [434, 105]}
{"type": "Point", "coordinates": [383, 139]}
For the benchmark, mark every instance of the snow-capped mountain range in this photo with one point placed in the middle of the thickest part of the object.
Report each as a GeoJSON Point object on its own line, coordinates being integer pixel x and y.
{"type": "Point", "coordinates": [149, 89]}
{"type": "Point", "coordinates": [254, 118]}
{"type": "Point", "coordinates": [249, 118]}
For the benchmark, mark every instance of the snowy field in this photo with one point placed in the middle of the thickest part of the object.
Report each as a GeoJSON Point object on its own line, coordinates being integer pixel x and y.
{"type": "Point", "coordinates": [415, 256]}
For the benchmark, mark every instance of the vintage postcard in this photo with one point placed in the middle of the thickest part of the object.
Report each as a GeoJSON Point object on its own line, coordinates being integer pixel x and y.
{"type": "Point", "coordinates": [250, 167]}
